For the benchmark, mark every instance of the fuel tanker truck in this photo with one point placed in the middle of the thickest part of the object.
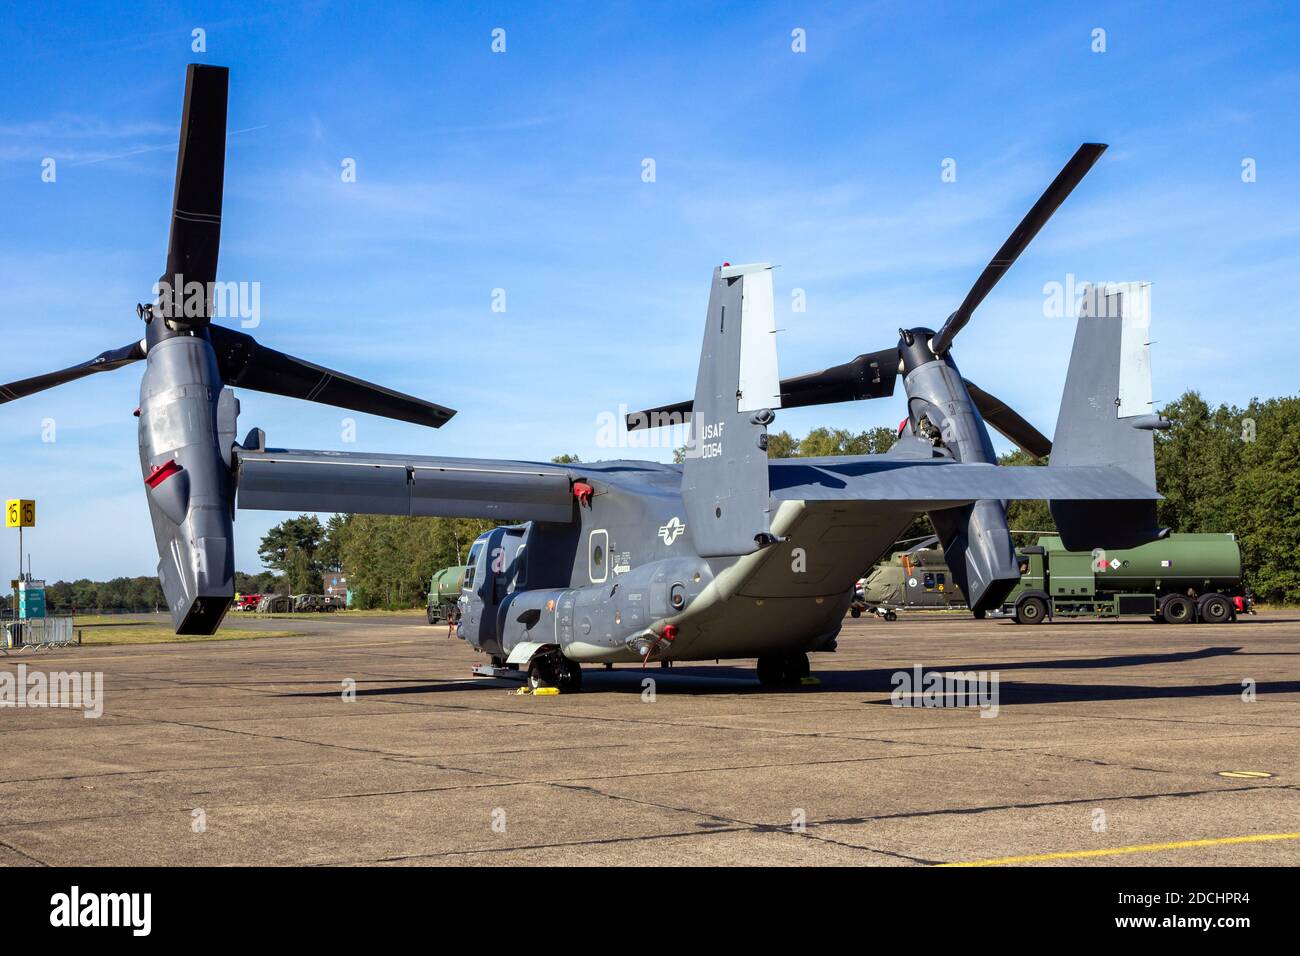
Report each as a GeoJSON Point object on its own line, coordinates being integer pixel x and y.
{"type": "Point", "coordinates": [444, 590]}
{"type": "Point", "coordinates": [1179, 579]}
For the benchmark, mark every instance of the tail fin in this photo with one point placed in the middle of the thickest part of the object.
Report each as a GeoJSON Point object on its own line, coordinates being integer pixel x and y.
{"type": "Point", "coordinates": [1106, 417]}
{"type": "Point", "coordinates": [724, 479]}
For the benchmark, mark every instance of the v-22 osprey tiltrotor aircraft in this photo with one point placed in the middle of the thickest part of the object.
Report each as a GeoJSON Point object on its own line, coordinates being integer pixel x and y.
{"type": "Point", "coordinates": [729, 555]}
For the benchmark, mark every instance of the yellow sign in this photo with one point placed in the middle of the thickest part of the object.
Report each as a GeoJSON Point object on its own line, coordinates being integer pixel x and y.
{"type": "Point", "coordinates": [20, 513]}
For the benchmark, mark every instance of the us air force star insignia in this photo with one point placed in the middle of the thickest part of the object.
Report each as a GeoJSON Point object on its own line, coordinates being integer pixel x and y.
{"type": "Point", "coordinates": [671, 530]}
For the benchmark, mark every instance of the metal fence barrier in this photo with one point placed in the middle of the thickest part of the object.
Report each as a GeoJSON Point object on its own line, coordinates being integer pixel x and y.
{"type": "Point", "coordinates": [39, 632]}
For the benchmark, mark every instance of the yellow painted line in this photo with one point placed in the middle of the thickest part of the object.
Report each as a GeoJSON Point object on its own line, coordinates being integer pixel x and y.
{"type": "Point", "coordinates": [1141, 848]}
{"type": "Point", "coordinates": [1246, 774]}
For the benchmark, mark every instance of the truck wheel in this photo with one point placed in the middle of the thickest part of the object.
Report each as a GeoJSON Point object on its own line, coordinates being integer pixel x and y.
{"type": "Point", "coordinates": [1031, 610]}
{"type": "Point", "coordinates": [855, 612]}
{"type": "Point", "coordinates": [1215, 609]}
{"type": "Point", "coordinates": [433, 618]}
{"type": "Point", "coordinates": [1177, 609]}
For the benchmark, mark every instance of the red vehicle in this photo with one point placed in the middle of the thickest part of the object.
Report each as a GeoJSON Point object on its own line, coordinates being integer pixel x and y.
{"type": "Point", "coordinates": [247, 602]}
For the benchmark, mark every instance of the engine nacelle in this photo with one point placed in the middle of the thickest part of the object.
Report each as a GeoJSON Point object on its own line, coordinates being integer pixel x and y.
{"type": "Point", "coordinates": [187, 427]}
{"type": "Point", "coordinates": [976, 540]}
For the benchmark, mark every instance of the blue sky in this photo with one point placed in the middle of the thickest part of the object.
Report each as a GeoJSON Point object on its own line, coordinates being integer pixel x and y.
{"type": "Point", "coordinates": [523, 171]}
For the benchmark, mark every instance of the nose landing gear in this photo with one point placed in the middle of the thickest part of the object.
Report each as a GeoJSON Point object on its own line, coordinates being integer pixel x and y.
{"type": "Point", "coordinates": [555, 670]}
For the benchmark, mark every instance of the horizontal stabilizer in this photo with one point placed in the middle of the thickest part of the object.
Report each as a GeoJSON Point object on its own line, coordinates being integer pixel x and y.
{"type": "Point", "coordinates": [881, 478]}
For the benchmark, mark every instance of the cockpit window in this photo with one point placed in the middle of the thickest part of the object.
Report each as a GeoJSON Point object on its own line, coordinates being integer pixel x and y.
{"type": "Point", "coordinates": [472, 561]}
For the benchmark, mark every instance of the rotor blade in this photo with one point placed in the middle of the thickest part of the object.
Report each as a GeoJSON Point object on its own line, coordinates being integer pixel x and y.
{"type": "Point", "coordinates": [871, 375]}
{"type": "Point", "coordinates": [195, 237]}
{"type": "Point", "coordinates": [1048, 202]}
{"type": "Point", "coordinates": [1008, 422]}
{"type": "Point", "coordinates": [246, 364]}
{"type": "Point", "coordinates": [676, 414]}
{"type": "Point", "coordinates": [103, 362]}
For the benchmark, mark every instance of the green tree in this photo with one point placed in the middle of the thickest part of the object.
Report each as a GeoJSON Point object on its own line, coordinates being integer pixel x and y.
{"type": "Point", "coordinates": [290, 548]}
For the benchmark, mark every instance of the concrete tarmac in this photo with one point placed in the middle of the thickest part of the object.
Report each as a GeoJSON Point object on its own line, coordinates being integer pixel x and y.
{"type": "Point", "coordinates": [1109, 746]}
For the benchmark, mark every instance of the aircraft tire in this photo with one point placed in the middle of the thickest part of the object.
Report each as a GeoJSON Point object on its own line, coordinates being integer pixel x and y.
{"type": "Point", "coordinates": [855, 612]}
{"type": "Point", "coordinates": [891, 615]}
{"type": "Point", "coordinates": [796, 669]}
{"type": "Point", "coordinates": [541, 672]}
{"type": "Point", "coordinates": [569, 676]}
{"type": "Point", "coordinates": [771, 670]}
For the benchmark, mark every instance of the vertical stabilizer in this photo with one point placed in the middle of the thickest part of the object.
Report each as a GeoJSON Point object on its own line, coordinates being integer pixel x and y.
{"type": "Point", "coordinates": [724, 479]}
{"type": "Point", "coordinates": [1107, 416]}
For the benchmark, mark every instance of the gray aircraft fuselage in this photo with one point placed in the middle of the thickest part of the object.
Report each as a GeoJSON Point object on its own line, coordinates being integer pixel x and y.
{"type": "Point", "coordinates": [594, 586]}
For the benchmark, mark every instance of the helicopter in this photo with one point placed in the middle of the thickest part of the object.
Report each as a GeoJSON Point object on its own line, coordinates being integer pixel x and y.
{"type": "Point", "coordinates": [727, 555]}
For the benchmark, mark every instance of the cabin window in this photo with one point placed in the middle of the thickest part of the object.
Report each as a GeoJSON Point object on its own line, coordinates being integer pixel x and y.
{"type": "Point", "coordinates": [929, 580]}
{"type": "Point", "coordinates": [597, 556]}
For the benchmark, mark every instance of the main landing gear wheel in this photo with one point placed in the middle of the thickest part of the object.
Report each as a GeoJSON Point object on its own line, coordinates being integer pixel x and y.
{"type": "Point", "coordinates": [891, 615]}
{"type": "Point", "coordinates": [855, 611]}
{"type": "Point", "coordinates": [1177, 609]}
{"type": "Point", "coordinates": [783, 670]}
{"type": "Point", "coordinates": [1031, 610]}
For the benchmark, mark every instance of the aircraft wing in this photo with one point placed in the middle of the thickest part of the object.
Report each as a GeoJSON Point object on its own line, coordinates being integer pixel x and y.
{"type": "Point", "coordinates": [888, 478]}
{"type": "Point", "coordinates": [332, 481]}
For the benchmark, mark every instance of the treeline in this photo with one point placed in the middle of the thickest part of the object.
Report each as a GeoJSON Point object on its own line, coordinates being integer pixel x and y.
{"type": "Point", "coordinates": [387, 559]}
{"type": "Point", "coordinates": [122, 595]}
{"type": "Point", "coordinates": [104, 597]}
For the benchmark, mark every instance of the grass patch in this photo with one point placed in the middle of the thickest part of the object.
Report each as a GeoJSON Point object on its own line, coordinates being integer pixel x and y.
{"type": "Point", "coordinates": [160, 634]}
{"type": "Point", "coordinates": [318, 615]}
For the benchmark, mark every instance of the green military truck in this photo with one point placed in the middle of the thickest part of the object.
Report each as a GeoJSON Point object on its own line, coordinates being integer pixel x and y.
{"type": "Point", "coordinates": [1179, 579]}
{"type": "Point", "coordinates": [444, 591]}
